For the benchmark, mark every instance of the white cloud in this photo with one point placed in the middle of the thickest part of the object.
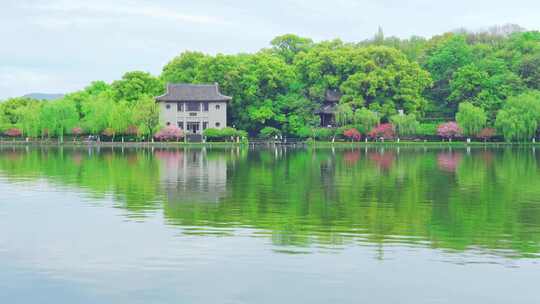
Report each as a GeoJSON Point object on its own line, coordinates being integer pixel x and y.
{"type": "Point", "coordinates": [62, 12]}
{"type": "Point", "coordinates": [60, 45]}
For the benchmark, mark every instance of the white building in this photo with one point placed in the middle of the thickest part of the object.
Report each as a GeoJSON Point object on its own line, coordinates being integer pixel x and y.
{"type": "Point", "coordinates": [193, 107]}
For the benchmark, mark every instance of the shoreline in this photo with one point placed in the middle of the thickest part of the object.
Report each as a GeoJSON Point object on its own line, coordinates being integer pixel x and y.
{"type": "Point", "coordinates": [308, 144]}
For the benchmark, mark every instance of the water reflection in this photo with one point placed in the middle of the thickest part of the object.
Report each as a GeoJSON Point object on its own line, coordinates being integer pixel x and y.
{"type": "Point", "coordinates": [477, 201]}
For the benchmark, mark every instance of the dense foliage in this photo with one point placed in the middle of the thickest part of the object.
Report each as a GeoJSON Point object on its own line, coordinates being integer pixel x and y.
{"type": "Point", "coordinates": [279, 88]}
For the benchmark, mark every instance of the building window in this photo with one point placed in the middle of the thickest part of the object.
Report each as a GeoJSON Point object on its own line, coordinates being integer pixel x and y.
{"type": "Point", "coordinates": [217, 107]}
{"type": "Point", "coordinates": [205, 125]}
{"type": "Point", "coordinates": [181, 125]}
{"type": "Point", "coordinates": [168, 123]}
{"type": "Point", "coordinates": [167, 106]}
{"type": "Point", "coordinates": [192, 114]}
{"type": "Point", "coordinates": [180, 107]}
{"type": "Point", "coordinates": [192, 127]}
{"type": "Point", "coordinates": [218, 124]}
{"type": "Point", "coordinates": [205, 106]}
{"type": "Point", "coordinates": [193, 106]}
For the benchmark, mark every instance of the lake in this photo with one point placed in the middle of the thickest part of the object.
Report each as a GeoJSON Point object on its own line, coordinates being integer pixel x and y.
{"type": "Point", "coordinates": [269, 225]}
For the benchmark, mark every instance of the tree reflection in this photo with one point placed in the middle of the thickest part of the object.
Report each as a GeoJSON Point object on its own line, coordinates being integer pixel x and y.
{"type": "Point", "coordinates": [306, 197]}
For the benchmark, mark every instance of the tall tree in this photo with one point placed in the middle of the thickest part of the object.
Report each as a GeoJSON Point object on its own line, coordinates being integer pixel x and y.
{"type": "Point", "coordinates": [59, 117]}
{"type": "Point", "coordinates": [146, 115]}
{"type": "Point", "coordinates": [471, 119]}
{"type": "Point", "coordinates": [520, 117]}
{"type": "Point", "coordinates": [289, 45]}
{"type": "Point", "coordinates": [135, 84]}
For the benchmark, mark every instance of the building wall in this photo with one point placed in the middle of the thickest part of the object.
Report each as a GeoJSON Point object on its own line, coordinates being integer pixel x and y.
{"type": "Point", "coordinates": [216, 118]}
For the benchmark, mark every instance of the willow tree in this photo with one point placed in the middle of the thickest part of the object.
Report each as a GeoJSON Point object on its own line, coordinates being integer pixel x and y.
{"type": "Point", "coordinates": [29, 119]}
{"type": "Point", "coordinates": [145, 115]}
{"type": "Point", "coordinates": [365, 120]}
{"type": "Point", "coordinates": [59, 117]}
{"type": "Point", "coordinates": [404, 124]}
{"type": "Point", "coordinates": [520, 117]}
{"type": "Point", "coordinates": [471, 119]}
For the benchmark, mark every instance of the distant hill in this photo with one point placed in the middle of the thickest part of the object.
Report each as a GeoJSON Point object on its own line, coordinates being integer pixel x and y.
{"type": "Point", "coordinates": [44, 96]}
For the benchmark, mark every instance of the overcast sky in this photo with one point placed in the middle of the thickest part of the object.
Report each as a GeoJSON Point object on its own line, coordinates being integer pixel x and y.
{"type": "Point", "coordinates": [58, 46]}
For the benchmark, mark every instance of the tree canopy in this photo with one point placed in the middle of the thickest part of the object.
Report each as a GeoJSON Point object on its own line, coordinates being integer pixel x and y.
{"type": "Point", "coordinates": [281, 86]}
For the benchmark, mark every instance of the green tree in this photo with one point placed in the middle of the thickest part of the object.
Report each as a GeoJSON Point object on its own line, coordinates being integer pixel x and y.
{"type": "Point", "coordinates": [134, 85]}
{"type": "Point", "coordinates": [96, 112]}
{"type": "Point", "coordinates": [344, 115]}
{"type": "Point", "coordinates": [29, 119]}
{"type": "Point", "coordinates": [4, 123]}
{"type": "Point", "coordinates": [529, 70]}
{"type": "Point", "coordinates": [486, 84]}
{"type": "Point", "coordinates": [365, 120]}
{"type": "Point", "coordinates": [120, 118]}
{"type": "Point", "coordinates": [10, 108]}
{"type": "Point", "coordinates": [269, 132]}
{"type": "Point", "coordinates": [444, 56]}
{"type": "Point", "coordinates": [59, 117]}
{"type": "Point", "coordinates": [184, 68]}
{"type": "Point", "coordinates": [470, 119]}
{"type": "Point", "coordinates": [289, 45]}
{"type": "Point", "coordinates": [405, 124]}
{"type": "Point", "coordinates": [145, 115]}
{"type": "Point", "coordinates": [520, 117]}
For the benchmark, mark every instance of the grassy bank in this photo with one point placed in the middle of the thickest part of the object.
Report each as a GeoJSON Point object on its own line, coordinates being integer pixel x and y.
{"type": "Point", "coordinates": [119, 144]}
{"type": "Point", "coordinates": [419, 144]}
{"type": "Point", "coordinates": [313, 144]}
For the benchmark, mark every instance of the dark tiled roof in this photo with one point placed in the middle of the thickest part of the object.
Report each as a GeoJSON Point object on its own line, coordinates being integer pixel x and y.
{"type": "Point", "coordinates": [193, 92]}
{"type": "Point", "coordinates": [326, 109]}
{"type": "Point", "coordinates": [332, 95]}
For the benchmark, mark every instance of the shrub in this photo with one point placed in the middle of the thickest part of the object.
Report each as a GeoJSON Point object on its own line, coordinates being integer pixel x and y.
{"type": "Point", "coordinates": [449, 130]}
{"type": "Point", "coordinates": [386, 131]}
{"type": "Point", "coordinates": [242, 133]}
{"type": "Point", "coordinates": [224, 134]}
{"type": "Point", "coordinates": [269, 132]}
{"type": "Point", "coordinates": [341, 130]}
{"type": "Point", "coordinates": [486, 133]}
{"type": "Point", "coordinates": [13, 132]}
{"type": "Point", "coordinates": [169, 133]}
{"type": "Point", "coordinates": [228, 132]}
{"type": "Point", "coordinates": [323, 133]}
{"type": "Point", "coordinates": [304, 132]}
{"type": "Point", "coordinates": [108, 132]}
{"type": "Point", "coordinates": [427, 129]}
{"type": "Point", "coordinates": [212, 133]}
{"type": "Point", "coordinates": [352, 134]}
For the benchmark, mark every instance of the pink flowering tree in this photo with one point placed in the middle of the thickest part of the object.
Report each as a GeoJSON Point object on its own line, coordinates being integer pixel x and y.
{"type": "Point", "coordinates": [352, 134]}
{"type": "Point", "coordinates": [384, 131]}
{"type": "Point", "coordinates": [169, 133]}
{"type": "Point", "coordinates": [13, 132]}
{"type": "Point", "coordinates": [449, 130]}
{"type": "Point", "coordinates": [76, 131]}
{"type": "Point", "coordinates": [486, 133]}
{"type": "Point", "coordinates": [132, 130]}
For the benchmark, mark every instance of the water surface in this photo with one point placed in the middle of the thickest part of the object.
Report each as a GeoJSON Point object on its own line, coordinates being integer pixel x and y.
{"type": "Point", "coordinates": [373, 225]}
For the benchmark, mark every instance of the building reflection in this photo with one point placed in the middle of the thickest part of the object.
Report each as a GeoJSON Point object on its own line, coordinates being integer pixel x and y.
{"type": "Point", "coordinates": [193, 175]}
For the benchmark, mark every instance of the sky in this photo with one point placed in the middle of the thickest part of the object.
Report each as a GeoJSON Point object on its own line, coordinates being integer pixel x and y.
{"type": "Point", "coordinates": [59, 46]}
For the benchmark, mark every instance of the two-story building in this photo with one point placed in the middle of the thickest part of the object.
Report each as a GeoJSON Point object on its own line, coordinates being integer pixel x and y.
{"type": "Point", "coordinates": [193, 107]}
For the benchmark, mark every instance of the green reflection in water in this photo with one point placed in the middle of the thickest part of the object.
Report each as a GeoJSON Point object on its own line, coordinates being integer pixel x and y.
{"type": "Point", "coordinates": [481, 199]}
